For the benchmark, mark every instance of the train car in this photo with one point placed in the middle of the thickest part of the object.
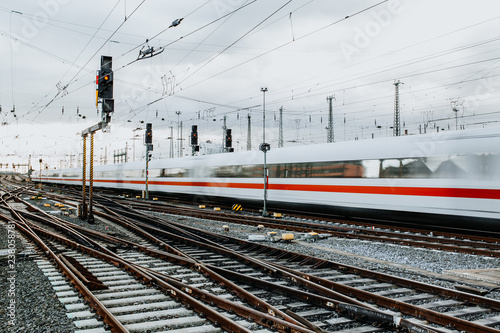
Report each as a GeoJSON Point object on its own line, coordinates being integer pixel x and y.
{"type": "Point", "coordinates": [440, 178]}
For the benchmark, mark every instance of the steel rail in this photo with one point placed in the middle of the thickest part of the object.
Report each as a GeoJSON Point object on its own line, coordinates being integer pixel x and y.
{"type": "Point", "coordinates": [428, 314]}
{"type": "Point", "coordinates": [243, 294]}
{"type": "Point", "coordinates": [183, 297]}
{"type": "Point", "coordinates": [291, 325]}
{"type": "Point", "coordinates": [107, 317]}
{"type": "Point", "coordinates": [472, 246]}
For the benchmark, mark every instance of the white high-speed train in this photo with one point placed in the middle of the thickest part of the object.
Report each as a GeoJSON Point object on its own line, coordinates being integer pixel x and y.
{"type": "Point", "coordinates": [445, 177]}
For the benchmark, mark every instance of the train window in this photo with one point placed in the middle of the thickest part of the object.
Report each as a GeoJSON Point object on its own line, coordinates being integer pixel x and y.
{"type": "Point", "coordinates": [240, 171]}
{"type": "Point", "coordinates": [477, 166]}
{"type": "Point", "coordinates": [404, 168]}
{"type": "Point", "coordinates": [252, 171]}
{"type": "Point", "coordinates": [226, 171]}
{"type": "Point", "coordinates": [172, 172]}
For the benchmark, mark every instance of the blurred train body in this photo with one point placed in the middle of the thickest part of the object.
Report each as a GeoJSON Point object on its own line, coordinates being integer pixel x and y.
{"type": "Point", "coordinates": [441, 178]}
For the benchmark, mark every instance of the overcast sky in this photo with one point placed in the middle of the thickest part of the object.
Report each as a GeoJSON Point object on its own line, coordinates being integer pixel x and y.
{"type": "Point", "coordinates": [446, 53]}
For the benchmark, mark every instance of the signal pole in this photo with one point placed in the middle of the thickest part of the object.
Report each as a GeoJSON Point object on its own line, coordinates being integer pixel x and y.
{"type": "Point", "coordinates": [104, 95]}
{"type": "Point", "coordinates": [397, 121]}
{"type": "Point", "coordinates": [280, 136]}
{"type": "Point", "coordinates": [264, 147]}
{"type": "Point", "coordinates": [224, 128]}
{"type": "Point", "coordinates": [148, 141]}
{"type": "Point", "coordinates": [178, 113]}
{"type": "Point", "coordinates": [330, 119]}
{"type": "Point", "coordinates": [249, 133]}
{"type": "Point", "coordinates": [171, 153]}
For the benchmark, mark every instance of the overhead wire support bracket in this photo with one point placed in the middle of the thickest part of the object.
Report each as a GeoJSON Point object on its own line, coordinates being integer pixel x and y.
{"type": "Point", "coordinates": [149, 52]}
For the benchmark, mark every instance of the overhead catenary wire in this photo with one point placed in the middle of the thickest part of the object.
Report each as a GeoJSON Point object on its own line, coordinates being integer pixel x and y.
{"type": "Point", "coordinates": [276, 48]}
{"type": "Point", "coordinates": [97, 51]}
{"type": "Point", "coordinates": [319, 92]}
{"type": "Point", "coordinates": [184, 36]}
{"type": "Point", "coordinates": [236, 41]}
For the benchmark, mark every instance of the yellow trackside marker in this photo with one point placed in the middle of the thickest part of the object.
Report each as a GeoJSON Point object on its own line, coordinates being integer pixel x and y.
{"type": "Point", "coordinates": [277, 214]}
{"type": "Point", "coordinates": [137, 196]}
{"type": "Point", "coordinates": [46, 205]}
{"type": "Point", "coordinates": [260, 227]}
{"type": "Point", "coordinates": [237, 207]}
{"type": "Point", "coordinates": [217, 208]}
{"type": "Point", "coordinates": [287, 237]}
{"type": "Point", "coordinates": [201, 206]}
{"type": "Point", "coordinates": [155, 199]}
{"type": "Point", "coordinates": [225, 227]}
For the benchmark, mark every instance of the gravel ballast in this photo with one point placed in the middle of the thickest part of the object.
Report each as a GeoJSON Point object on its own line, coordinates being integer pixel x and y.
{"type": "Point", "coordinates": [36, 307]}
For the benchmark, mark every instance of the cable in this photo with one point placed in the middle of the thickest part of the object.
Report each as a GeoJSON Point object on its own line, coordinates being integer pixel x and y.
{"type": "Point", "coordinates": [70, 81]}
{"type": "Point", "coordinates": [95, 33]}
{"type": "Point", "coordinates": [276, 48]}
{"type": "Point", "coordinates": [288, 43]}
{"type": "Point", "coordinates": [183, 37]}
{"type": "Point", "coordinates": [201, 42]}
{"type": "Point", "coordinates": [236, 41]}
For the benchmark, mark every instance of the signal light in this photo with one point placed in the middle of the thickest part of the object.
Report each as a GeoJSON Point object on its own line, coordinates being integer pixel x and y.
{"type": "Point", "coordinates": [194, 135]}
{"type": "Point", "coordinates": [104, 78]}
{"type": "Point", "coordinates": [229, 138]}
{"type": "Point", "coordinates": [149, 133]}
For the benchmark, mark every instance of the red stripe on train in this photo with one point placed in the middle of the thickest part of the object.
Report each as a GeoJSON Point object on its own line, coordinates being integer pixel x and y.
{"type": "Point", "coordinates": [473, 193]}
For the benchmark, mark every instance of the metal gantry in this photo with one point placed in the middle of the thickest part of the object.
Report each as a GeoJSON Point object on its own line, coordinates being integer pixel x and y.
{"type": "Point", "coordinates": [280, 135]}
{"type": "Point", "coordinates": [397, 119]}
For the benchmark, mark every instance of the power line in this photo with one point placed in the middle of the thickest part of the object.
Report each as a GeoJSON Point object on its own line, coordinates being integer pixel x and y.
{"type": "Point", "coordinates": [236, 41]}
{"type": "Point", "coordinates": [272, 50]}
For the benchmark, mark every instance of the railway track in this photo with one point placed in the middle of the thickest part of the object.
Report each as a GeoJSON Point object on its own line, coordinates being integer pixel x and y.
{"type": "Point", "coordinates": [484, 244]}
{"type": "Point", "coordinates": [121, 298]}
{"type": "Point", "coordinates": [480, 245]}
{"type": "Point", "coordinates": [316, 293]}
